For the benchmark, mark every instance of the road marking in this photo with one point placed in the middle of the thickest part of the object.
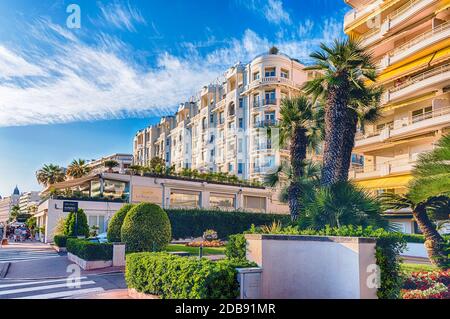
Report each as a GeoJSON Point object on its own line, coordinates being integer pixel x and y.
{"type": "Point", "coordinates": [29, 289]}
{"type": "Point", "coordinates": [30, 283]}
{"type": "Point", "coordinates": [62, 294]}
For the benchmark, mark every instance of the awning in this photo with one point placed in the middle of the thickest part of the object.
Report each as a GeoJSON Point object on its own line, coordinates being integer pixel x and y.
{"type": "Point", "coordinates": [393, 106]}
{"type": "Point", "coordinates": [444, 7]}
{"type": "Point", "coordinates": [71, 183]}
{"type": "Point", "coordinates": [386, 182]}
{"type": "Point", "coordinates": [414, 66]}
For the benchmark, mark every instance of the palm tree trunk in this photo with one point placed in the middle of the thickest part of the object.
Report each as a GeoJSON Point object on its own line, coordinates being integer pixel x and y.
{"type": "Point", "coordinates": [298, 148]}
{"type": "Point", "coordinates": [348, 141]}
{"type": "Point", "coordinates": [434, 243]}
{"type": "Point", "coordinates": [335, 124]}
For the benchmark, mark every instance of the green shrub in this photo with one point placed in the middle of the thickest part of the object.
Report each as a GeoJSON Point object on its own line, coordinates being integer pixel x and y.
{"type": "Point", "coordinates": [60, 240]}
{"type": "Point", "coordinates": [115, 224]}
{"type": "Point", "coordinates": [388, 247]}
{"type": "Point", "coordinates": [89, 250]}
{"type": "Point", "coordinates": [236, 246]}
{"type": "Point", "coordinates": [76, 218]}
{"type": "Point", "coordinates": [146, 227]}
{"type": "Point", "coordinates": [188, 223]}
{"type": "Point", "coordinates": [174, 277]}
{"type": "Point", "coordinates": [419, 238]}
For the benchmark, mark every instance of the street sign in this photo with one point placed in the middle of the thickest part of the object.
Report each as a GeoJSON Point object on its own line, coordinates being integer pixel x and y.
{"type": "Point", "coordinates": [69, 207]}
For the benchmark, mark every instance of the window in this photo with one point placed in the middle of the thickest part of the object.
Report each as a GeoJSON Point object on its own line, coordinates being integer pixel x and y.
{"type": "Point", "coordinates": [284, 73]}
{"type": "Point", "coordinates": [254, 203]}
{"type": "Point", "coordinates": [241, 103]}
{"type": "Point", "coordinates": [230, 167]}
{"type": "Point", "coordinates": [212, 153]}
{"type": "Point", "coordinates": [269, 97]}
{"type": "Point", "coordinates": [256, 76]}
{"type": "Point", "coordinates": [221, 117]}
{"type": "Point", "coordinates": [269, 72]}
{"type": "Point", "coordinates": [115, 189]}
{"type": "Point", "coordinates": [240, 145]}
{"type": "Point", "coordinates": [422, 114]}
{"type": "Point", "coordinates": [381, 127]}
{"type": "Point", "coordinates": [97, 220]}
{"type": "Point", "coordinates": [168, 142]}
{"type": "Point", "coordinates": [184, 199]}
{"type": "Point", "coordinates": [221, 200]}
{"type": "Point", "coordinates": [204, 123]}
{"type": "Point", "coordinates": [240, 168]}
{"type": "Point", "coordinates": [211, 118]}
{"type": "Point", "coordinates": [256, 100]}
{"type": "Point", "coordinates": [241, 122]}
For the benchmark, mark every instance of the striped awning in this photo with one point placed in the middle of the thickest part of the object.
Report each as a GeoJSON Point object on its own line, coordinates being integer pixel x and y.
{"type": "Point", "coordinates": [386, 182]}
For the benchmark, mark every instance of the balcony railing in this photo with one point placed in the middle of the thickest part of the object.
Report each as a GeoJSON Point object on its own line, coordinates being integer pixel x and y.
{"type": "Point", "coordinates": [265, 123]}
{"type": "Point", "coordinates": [265, 102]}
{"type": "Point", "coordinates": [429, 115]}
{"type": "Point", "coordinates": [354, 14]}
{"type": "Point", "coordinates": [402, 9]}
{"type": "Point", "coordinates": [426, 35]}
{"type": "Point", "coordinates": [422, 76]}
{"type": "Point", "coordinates": [386, 166]}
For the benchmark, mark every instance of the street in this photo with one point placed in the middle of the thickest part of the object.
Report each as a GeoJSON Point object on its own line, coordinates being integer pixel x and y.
{"type": "Point", "coordinates": [36, 271]}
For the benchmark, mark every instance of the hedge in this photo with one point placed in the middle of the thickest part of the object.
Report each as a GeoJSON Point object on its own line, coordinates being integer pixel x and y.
{"type": "Point", "coordinates": [60, 240]}
{"type": "Point", "coordinates": [192, 223]}
{"type": "Point", "coordinates": [419, 238]}
{"type": "Point", "coordinates": [146, 227]}
{"type": "Point", "coordinates": [91, 251]}
{"type": "Point", "coordinates": [388, 247]}
{"type": "Point", "coordinates": [175, 277]}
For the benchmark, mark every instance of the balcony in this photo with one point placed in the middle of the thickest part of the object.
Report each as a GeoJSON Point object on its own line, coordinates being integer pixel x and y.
{"type": "Point", "coordinates": [357, 13]}
{"type": "Point", "coordinates": [384, 169]}
{"type": "Point", "coordinates": [272, 80]}
{"type": "Point", "coordinates": [265, 123]}
{"type": "Point", "coordinates": [435, 78]}
{"type": "Point", "coordinates": [265, 102]}
{"type": "Point", "coordinates": [414, 125]}
{"type": "Point", "coordinates": [416, 44]}
{"type": "Point", "coordinates": [409, 10]}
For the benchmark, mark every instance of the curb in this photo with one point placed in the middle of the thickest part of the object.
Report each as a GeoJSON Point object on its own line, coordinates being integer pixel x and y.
{"type": "Point", "coordinates": [62, 277]}
{"type": "Point", "coordinates": [4, 267]}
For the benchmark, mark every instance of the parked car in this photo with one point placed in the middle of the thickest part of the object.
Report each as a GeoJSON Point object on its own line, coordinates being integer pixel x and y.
{"type": "Point", "coordinates": [100, 238]}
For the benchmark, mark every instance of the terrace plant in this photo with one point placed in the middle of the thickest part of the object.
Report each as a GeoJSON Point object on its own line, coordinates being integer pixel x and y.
{"type": "Point", "coordinates": [110, 164]}
{"type": "Point", "coordinates": [77, 168]}
{"type": "Point", "coordinates": [50, 174]}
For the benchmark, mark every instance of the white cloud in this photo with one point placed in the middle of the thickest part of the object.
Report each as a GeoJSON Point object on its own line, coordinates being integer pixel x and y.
{"type": "Point", "coordinates": [80, 81]}
{"type": "Point", "coordinates": [122, 16]}
{"type": "Point", "coordinates": [275, 13]}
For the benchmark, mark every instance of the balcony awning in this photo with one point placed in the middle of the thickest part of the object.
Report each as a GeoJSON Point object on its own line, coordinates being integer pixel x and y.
{"type": "Point", "coordinates": [386, 182]}
{"type": "Point", "coordinates": [444, 7]}
{"type": "Point", "coordinates": [414, 66]}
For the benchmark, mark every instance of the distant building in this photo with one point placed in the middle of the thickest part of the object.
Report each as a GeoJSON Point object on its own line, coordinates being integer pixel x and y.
{"type": "Point", "coordinates": [97, 166]}
{"type": "Point", "coordinates": [28, 200]}
{"type": "Point", "coordinates": [7, 203]}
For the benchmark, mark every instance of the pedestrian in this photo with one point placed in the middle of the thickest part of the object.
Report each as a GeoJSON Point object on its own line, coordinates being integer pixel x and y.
{"type": "Point", "coordinates": [17, 234]}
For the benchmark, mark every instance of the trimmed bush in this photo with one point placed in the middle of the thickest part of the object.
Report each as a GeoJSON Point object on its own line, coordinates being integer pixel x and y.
{"type": "Point", "coordinates": [60, 240]}
{"type": "Point", "coordinates": [88, 250]}
{"type": "Point", "coordinates": [193, 222]}
{"type": "Point", "coordinates": [388, 247]}
{"type": "Point", "coordinates": [175, 277]}
{"type": "Point", "coordinates": [419, 238]}
{"type": "Point", "coordinates": [236, 246]}
{"type": "Point", "coordinates": [146, 227]}
{"type": "Point", "coordinates": [76, 218]}
{"type": "Point", "coordinates": [115, 224]}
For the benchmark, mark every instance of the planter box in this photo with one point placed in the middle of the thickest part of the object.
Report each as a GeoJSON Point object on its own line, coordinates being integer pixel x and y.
{"type": "Point", "coordinates": [314, 267]}
{"type": "Point", "coordinates": [89, 264]}
{"type": "Point", "coordinates": [133, 293]}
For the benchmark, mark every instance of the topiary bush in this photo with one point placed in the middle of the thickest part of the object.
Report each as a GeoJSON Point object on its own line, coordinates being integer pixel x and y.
{"type": "Point", "coordinates": [175, 277]}
{"type": "Point", "coordinates": [115, 224]}
{"type": "Point", "coordinates": [146, 227]}
{"type": "Point", "coordinates": [76, 218]}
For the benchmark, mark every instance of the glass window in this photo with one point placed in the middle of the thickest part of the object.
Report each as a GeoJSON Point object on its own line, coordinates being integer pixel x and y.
{"type": "Point", "coordinates": [255, 76]}
{"type": "Point", "coordinates": [422, 114]}
{"type": "Point", "coordinates": [269, 72]}
{"type": "Point", "coordinates": [253, 203]}
{"type": "Point", "coordinates": [183, 199]}
{"type": "Point", "coordinates": [240, 168]}
{"type": "Point", "coordinates": [241, 103]}
{"type": "Point", "coordinates": [221, 200]}
{"type": "Point", "coordinates": [115, 189]}
{"type": "Point", "coordinates": [284, 73]}
{"type": "Point", "coordinates": [241, 122]}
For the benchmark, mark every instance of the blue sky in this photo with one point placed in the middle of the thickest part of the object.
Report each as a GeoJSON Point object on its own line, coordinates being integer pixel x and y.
{"type": "Point", "coordinates": [82, 93]}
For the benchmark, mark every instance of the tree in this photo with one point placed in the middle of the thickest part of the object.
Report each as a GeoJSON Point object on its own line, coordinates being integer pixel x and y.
{"type": "Point", "coordinates": [76, 224]}
{"type": "Point", "coordinates": [78, 168]}
{"type": "Point", "coordinates": [157, 165]}
{"type": "Point", "coordinates": [428, 195]}
{"type": "Point", "coordinates": [14, 213]}
{"type": "Point", "coordinates": [50, 174]}
{"type": "Point", "coordinates": [345, 68]}
{"type": "Point", "coordinates": [110, 164]}
{"type": "Point", "coordinates": [337, 205]}
{"type": "Point", "coordinates": [300, 127]}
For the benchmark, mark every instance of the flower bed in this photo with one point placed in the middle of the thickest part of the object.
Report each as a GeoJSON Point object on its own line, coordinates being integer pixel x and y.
{"type": "Point", "coordinates": [427, 285]}
{"type": "Point", "coordinates": [206, 243]}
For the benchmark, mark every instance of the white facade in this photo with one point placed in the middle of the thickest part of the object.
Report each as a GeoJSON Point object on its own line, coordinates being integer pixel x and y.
{"type": "Point", "coordinates": [27, 200]}
{"type": "Point", "coordinates": [97, 166]}
{"type": "Point", "coordinates": [6, 205]}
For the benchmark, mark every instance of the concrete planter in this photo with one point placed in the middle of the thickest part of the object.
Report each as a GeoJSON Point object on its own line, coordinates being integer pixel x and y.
{"type": "Point", "coordinates": [134, 294]}
{"type": "Point", "coordinates": [89, 264]}
{"type": "Point", "coordinates": [314, 267]}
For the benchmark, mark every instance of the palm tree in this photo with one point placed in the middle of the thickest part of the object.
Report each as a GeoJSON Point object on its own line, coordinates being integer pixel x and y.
{"type": "Point", "coordinates": [301, 126]}
{"type": "Point", "coordinates": [344, 69]}
{"type": "Point", "coordinates": [50, 174]}
{"type": "Point", "coordinates": [78, 168]}
{"type": "Point", "coordinates": [429, 192]}
{"type": "Point", "coordinates": [110, 164]}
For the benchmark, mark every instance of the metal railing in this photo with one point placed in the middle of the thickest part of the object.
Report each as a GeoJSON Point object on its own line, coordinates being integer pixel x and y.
{"type": "Point", "coordinates": [378, 167]}
{"type": "Point", "coordinates": [265, 102]}
{"type": "Point", "coordinates": [353, 14]}
{"type": "Point", "coordinates": [428, 34]}
{"type": "Point", "coordinates": [422, 76]}
{"type": "Point", "coordinates": [429, 115]}
{"type": "Point", "coordinates": [402, 9]}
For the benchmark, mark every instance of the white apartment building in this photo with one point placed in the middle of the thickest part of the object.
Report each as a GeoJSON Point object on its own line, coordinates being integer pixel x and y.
{"type": "Point", "coordinates": [224, 127]}
{"type": "Point", "coordinates": [28, 201]}
{"type": "Point", "coordinates": [7, 203]}
{"type": "Point", "coordinates": [97, 166]}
